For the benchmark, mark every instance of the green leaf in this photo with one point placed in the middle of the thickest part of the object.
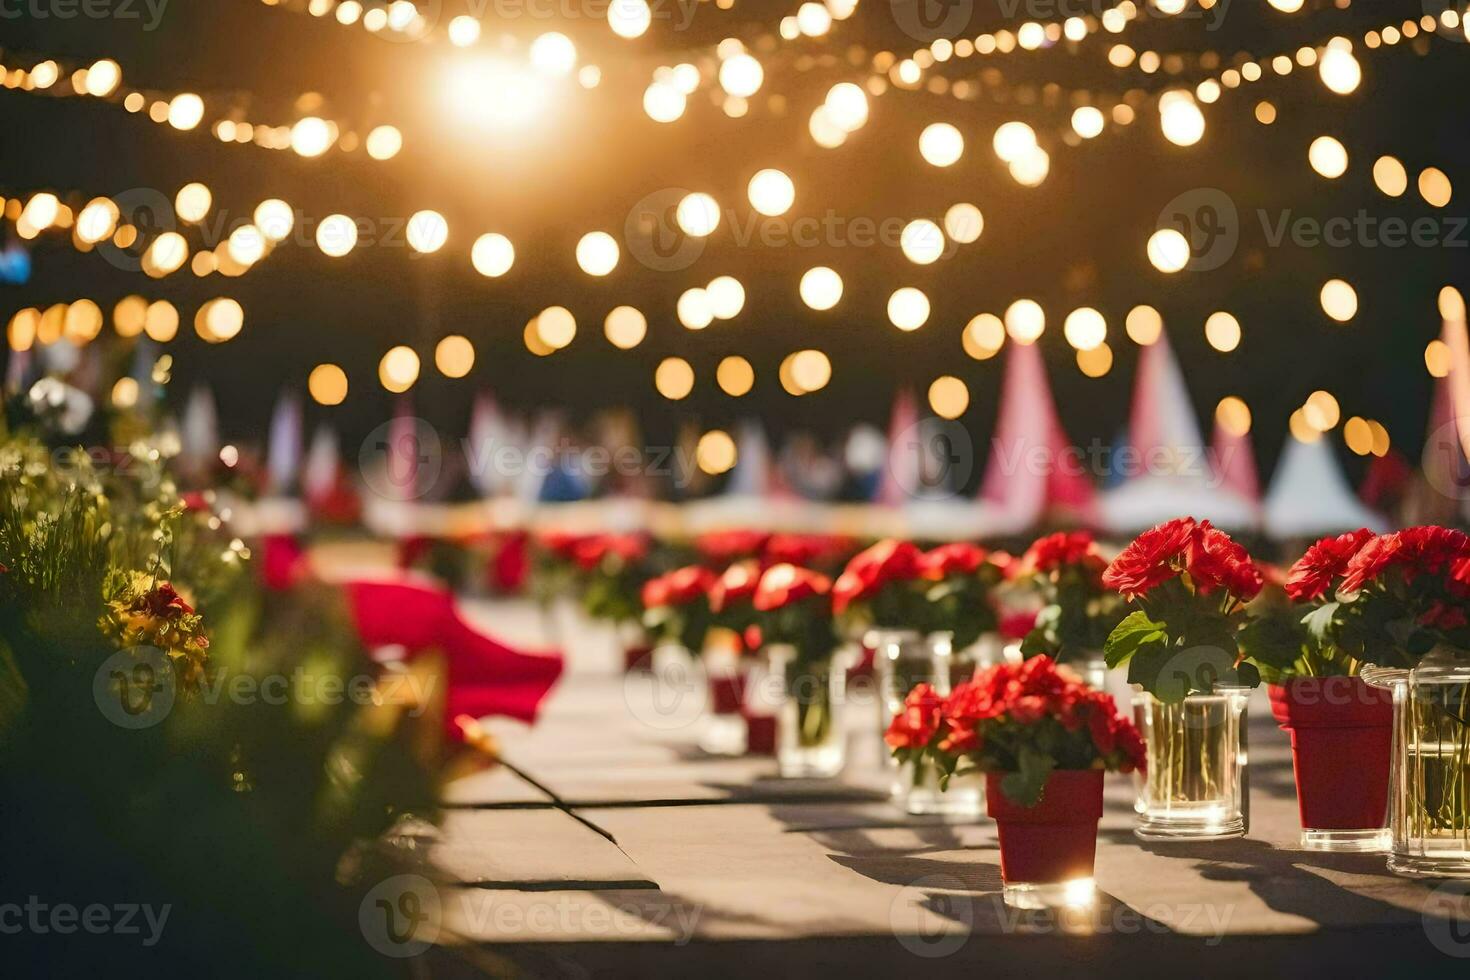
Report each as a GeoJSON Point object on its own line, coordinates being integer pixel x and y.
{"type": "Point", "coordinates": [1320, 621]}
{"type": "Point", "coordinates": [1024, 787]}
{"type": "Point", "coordinates": [1136, 633]}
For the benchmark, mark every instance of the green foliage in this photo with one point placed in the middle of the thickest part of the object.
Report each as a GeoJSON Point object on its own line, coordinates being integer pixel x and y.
{"type": "Point", "coordinates": [1180, 644]}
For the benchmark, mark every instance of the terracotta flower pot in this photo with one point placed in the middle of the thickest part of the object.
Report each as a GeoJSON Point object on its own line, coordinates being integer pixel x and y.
{"type": "Point", "coordinates": [1341, 740]}
{"type": "Point", "coordinates": [1047, 852]}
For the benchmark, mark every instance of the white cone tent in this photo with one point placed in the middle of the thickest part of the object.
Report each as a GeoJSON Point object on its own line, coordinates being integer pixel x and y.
{"type": "Point", "coordinates": [199, 433]}
{"type": "Point", "coordinates": [1167, 468]}
{"type": "Point", "coordinates": [283, 451]}
{"type": "Point", "coordinates": [901, 474]}
{"type": "Point", "coordinates": [1310, 496]}
{"type": "Point", "coordinates": [323, 465]}
{"type": "Point", "coordinates": [1234, 463]}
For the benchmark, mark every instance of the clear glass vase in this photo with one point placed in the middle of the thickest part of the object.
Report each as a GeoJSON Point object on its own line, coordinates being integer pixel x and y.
{"type": "Point", "coordinates": [810, 740]}
{"type": "Point", "coordinates": [1195, 785]}
{"type": "Point", "coordinates": [1429, 778]}
{"type": "Point", "coordinates": [904, 659]}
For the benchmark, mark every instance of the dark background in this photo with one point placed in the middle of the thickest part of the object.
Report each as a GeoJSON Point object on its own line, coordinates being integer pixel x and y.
{"type": "Point", "coordinates": [1077, 240]}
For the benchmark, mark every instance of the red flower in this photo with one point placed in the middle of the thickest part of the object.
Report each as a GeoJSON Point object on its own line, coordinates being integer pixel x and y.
{"type": "Point", "coordinates": [870, 570]}
{"type": "Point", "coordinates": [736, 584]}
{"type": "Point", "coordinates": [917, 724]}
{"type": "Point", "coordinates": [1104, 731]}
{"type": "Point", "coordinates": [163, 601]}
{"type": "Point", "coordinates": [1213, 559]}
{"type": "Point", "coordinates": [802, 549]}
{"type": "Point", "coordinates": [1324, 563]}
{"type": "Point", "coordinates": [590, 552]}
{"type": "Point", "coordinates": [677, 588]}
{"type": "Point", "coordinates": [1149, 561]}
{"type": "Point", "coordinates": [1419, 550]}
{"type": "Point", "coordinates": [1057, 551]}
{"type": "Point", "coordinates": [1015, 626]}
{"type": "Point", "coordinates": [782, 585]}
{"type": "Point", "coordinates": [1217, 561]}
{"type": "Point", "coordinates": [723, 547]}
{"type": "Point", "coordinates": [194, 501]}
{"type": "Point", "coordinates": [958, 558]}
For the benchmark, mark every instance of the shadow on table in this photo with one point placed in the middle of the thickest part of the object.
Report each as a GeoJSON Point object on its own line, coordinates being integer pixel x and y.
{"type": "Point", "coordinates": [1285, 881]}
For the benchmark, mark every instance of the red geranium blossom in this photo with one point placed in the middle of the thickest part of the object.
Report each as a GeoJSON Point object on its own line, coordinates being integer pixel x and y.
{"type": "Point", "coordinates": [959, 558]}
{"type": "Point", "coordinates": [1324, 563]}
{"type": "Point", "coordinates": [916, 725]}
{"type": "Point", "coordinates": [677, 588]}
{"type": "Point", "coordinates": [723, 547]}
{"type": "Point", "coordinates": [803, 549]}
{"type": "Point", "coordinates": [163, 601]}
{"type": "Point", "coordinates": [736, 584]}
{"type": "Point", "coordinates": [1056, 551]}
{"type": "Point", "coordinates": [781, 585]}
{"type": "Point", "coordinates": [870, 570]}
{"type": "Point", "coordinates": [1418, 550]}
{"type": "Point", "coordinates": [589, 552]}
{"type": "Point", "coordinates": [1213, 559]}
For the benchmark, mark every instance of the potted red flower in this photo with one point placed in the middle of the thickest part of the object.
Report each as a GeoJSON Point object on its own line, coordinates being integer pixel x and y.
{"type": "Point", "coordinates": [1341, 728]}
{"type": "Point", "coordinates": [731, 597]}
{"type": "Point", "coordinates": [1043, 739]}
{"type": "Point", "coordinates": [1190, 582]}
{"type": "Point", "coordinates": [806, 677]}
{"type": "Point", "coordinates": [676, 614]}
{"type": "Point", "coordinates": [1067, 568]}
{"type": "Point", "coordinates": [613, 568]}
{"type": "Point", "coordinates": [1403, 608]}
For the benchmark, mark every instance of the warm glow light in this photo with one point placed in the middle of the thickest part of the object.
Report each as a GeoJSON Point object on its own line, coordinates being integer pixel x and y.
{"type": "Point", "coordinates": [1013, 140]}
{"type": "Point", "coordinates": [1144, 325]}
{"type": "Point", "coordinates": [1340, 71]}
{"type": "Point", "coordinates": [1390, 176]}
{"type": "Point", "coordinates": [493, 93]}
{"type": "Point", "coordinates": [97, 221]}
{"type": "Point", "coordinates": [246, 245]}
{"type": "Point", "coordinates": [726, 297]}
{"type": "Point", "coordinates": [384, 142]}
{"type": "Point", "coordinates": [963, 223]}
{"type": "Point", "coordinates": [129, 315]}
{"type": "Point", "coordinates": [1168, 250]}
{"type": "Point", "coordinates": [1234, 416]}
{"type": "Point", "coordinates": [492, 255]}
{"type": "Point", "coordinates": [553, 53]}
{"type": "Point", "coordinates": [1180, 118]}
{"type": "Point", "coordinates": [275, 219]}
{"type": "Point", "coordinates": [984, 336]}
{"type": "Point", "coordinates": [1437, 358]}
{"type": "Point", "coordinates": [908, 308]}
{"type": "Point", "coordinates": [556, 327]}
{"type": "Point", "coordinates": [629, 18]}
{"type": "Point", "coordinates": [336, 235]}
{"type": "Point", "coordinates": [185, 111]}
{"type": "Point", "coordinates": [693, 309]}
{"type": "Point", "coordinates": [921, 241]}
{"type": "Point", "coordinates": [327, 384]}
{"type": "Point", "coordinates": [820, 288]}
{"type": "Point", "coordinates": [125, 392]}
{"type": "Point", "coordinates": [1085, 328]}
{"type": "Point", "coordinates": [1358, 435]}
{"type": "Point", "coordinates": [1435, 187]}
{"type": "Point", "coordinates": [949, 397]}
{"type": "Point", "coordinates": [698, 214]}
{"type": "Point", "coordinates": [311, 137]}
{"type": "Point", "coordinates": [715, 452]}
{"type": "Point", "coordinates": [1223, 332]}
{"type": "Point", "coordinates": [741, 75]}
{"type": "Point", "coordinates": [1328, 157]}
{"type": "Point", "coordinates": [161, 321]}
{"type": "Point", "coordinates": [824, 131]}
{"type": "Point", "coordinates": [192, 202]}
{"type": "Point", "coordinates": [219, 320]}
{"type": "Point", "coordinates": [1339, 300]}
{"type": "Point", "coordinates": [1097, 362]}
{"type": "Point", "coordinates": [1088, 122]}
{"type": "Point", "coordinates": [771, 192]}
{"type": "Point", "coordinates": [464, 30]}
{"type": "Point", "coordinates": [597, 253]}
{"type": "Point", "coordinates": [1321, 411]}
{"type": "Point", "coordinates": [1451, 305]}
{"type": "Point", "coordinates": [847, 106]}
{"type": "Point", "coordinates": [1031, 168]}
{"type": "Point", "coordinates": [454, 356]}
{"type": "Point", "coordinates": [1025, 321]}
{"type": "Point", "coordinates": [399, 369]}
{"type": "Point", "coordinates": [166, 254]}
{"type": "Point", "coordinates": [941, 144]}
{"type": "Point", "coordinates": [103, 77]}
{"type": "Point", "coordinates": [810, 370]}
{"type": "Point", "coordinates": [735, 376]}
{"type": "Point", "coordinates": [674, 378]}
{"type": "Point", "coordinates": [625, 327]}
